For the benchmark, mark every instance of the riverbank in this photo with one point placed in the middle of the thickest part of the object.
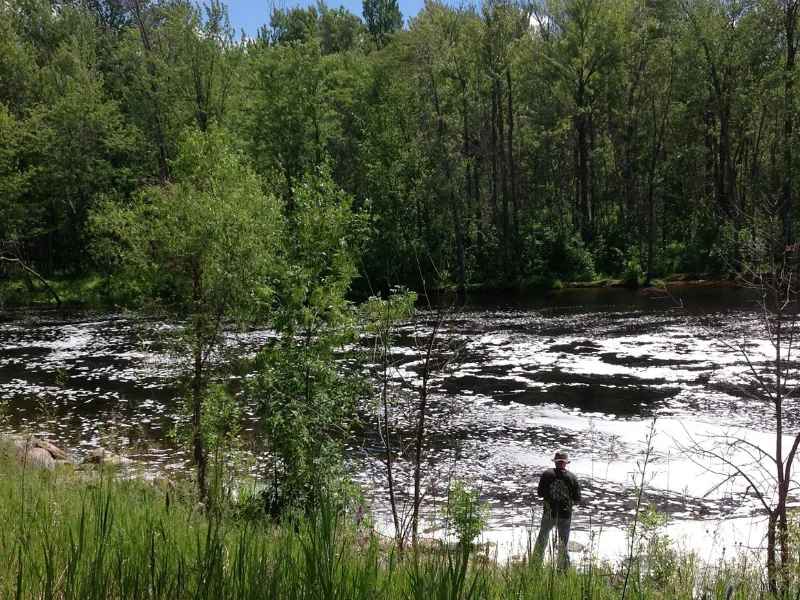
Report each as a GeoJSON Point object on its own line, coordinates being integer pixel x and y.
{"type": "Point", "coordinates": [95, 290]}
{"type": "Point", "coordinates": [598, 282]}
{"type": "Point", "coordinates": [113, 537]}
{"type": "Point", "coordinates": [68, 290]}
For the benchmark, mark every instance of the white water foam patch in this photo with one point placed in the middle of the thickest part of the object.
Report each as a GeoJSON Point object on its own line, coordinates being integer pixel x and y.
{"type": "Point", "coordinates": [667, 471]}
{"type": "Point", "coordinates": [710, 541]}
{"type": "Point", "coordinates": [680, 450]}
{"type": "Point", "coordinates": [492, 419]}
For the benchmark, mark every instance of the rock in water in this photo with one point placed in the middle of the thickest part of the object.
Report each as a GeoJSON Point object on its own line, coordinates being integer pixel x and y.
{"type": "Point", "coordinates": [103, 456]}
{"type": "Point", "coordinates": [56, 452]}
{"type": "Point", "coordinates": [575, 546]}
{"type": "Point", "coordinates": [34, 452]}
{"type": "Point", "coordinates": [39, 457]}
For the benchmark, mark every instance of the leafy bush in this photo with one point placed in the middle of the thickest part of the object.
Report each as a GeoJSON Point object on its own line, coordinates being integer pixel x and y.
{"type": "Point", "coordinates": [465, 513]}
{"type": "Point", "coordinates": [634, 273]}
{"type": "Point", "coordinates": [669, 259]}
{"type": "Point", "coordinates": [306, 398]}
{"type": "Point", "coordinates": [551, 254]}
{"type": "Point", "coordinates": [657, 559]}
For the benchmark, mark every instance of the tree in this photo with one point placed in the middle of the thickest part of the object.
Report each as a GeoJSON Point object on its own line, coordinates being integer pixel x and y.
{"type": "Point", "coordinates": [437, 32]}
{"type": "Point", "coordinates": [66, 143]}
{"type": "Point", "coordinates": [384, 318]}
{"type": "Point", "coordinates": [203, 250]}
{"type": "Point", "coordinates": [16, 223]}
{"type": "Point", "coordinates": [17, 62]}
{"type": "Point", "coordinates": [307, 401]}
{"type": "Point", "coordinates": [209, 61]}
{"type": "Point", "coordinates": [727, 35]}
{"type": "Point", "coordinates": [404, 407]}
{"type": "Point", "coordinates": [770, 269]}
{"type": "Point", "coordinates": [790, 39]}
{"type": "Point", "coordinates": [340, 30]}
{"type": "Point", "coordinates": [143, 52]}
{"type": "Point", "coordinates": [287, 128]}
{"type": "Point", "coordinates": [179, 67]}
{"type": "Point", "coordinates": [503, 23]}
{"type": "Point", "coordinates": [293, 26]}
{"type": "Point", "coordinates": [83, 149]}
{"type": "Point", "coordinates": [583, 45]}
{"type": "Point", "coordinates": [383, 18]}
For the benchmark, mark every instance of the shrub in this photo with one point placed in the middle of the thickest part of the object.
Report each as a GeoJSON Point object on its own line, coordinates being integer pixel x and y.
{"type": "Point", "coordinates": [465, 513]}
{"type": "Point", "coordinates": [551, 254]}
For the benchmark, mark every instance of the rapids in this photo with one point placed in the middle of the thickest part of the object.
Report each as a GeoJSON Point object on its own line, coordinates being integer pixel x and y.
{"type": "Point", "coordinates": [592, 371]}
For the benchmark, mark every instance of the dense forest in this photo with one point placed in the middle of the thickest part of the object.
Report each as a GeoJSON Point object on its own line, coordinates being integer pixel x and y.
{"type": "Point", "coordinates": [511, 143]}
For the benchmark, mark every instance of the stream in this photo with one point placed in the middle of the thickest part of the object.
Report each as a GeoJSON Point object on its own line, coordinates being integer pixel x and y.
{"type": "Point", "coordinates": [642, 388]}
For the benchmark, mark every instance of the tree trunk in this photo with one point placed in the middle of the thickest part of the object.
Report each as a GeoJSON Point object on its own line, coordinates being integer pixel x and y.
{"type": "Point", "coordinates": [158, 123]}
{"type": "Point", "coordinates": [427, 369]}
{"type": "Point", "coordinates": [493, 151]}
{"type": "Point", "coordinates": [478, 214]}
{"type": "Point", "coordinates": [503, 178]}
{"type": "Point", "coordinates": [468, 166]}
{"type": "Point", "coordinates": [788, 123]}
{"type": "Point", "coordinates": [197, 394]}
{"type": "Point", "coordinates": [387, 442]}
{"type": "Point", "coordinates": [451, 190]}
{"type": "Point", "coordinates": [511, 162]}
{"type": "Point", "coordinates": [658, 140]}
{"type": "Point", "coordinates": [420, 431]}
{"type": "Point", "coordinates": [630, 217]}
{"type": "Point", "coordinates": [576, 188]}
{"type": "Point", "coordinates": [772, 575]}
{"type": "Point", "coordinates": [726, 161]}
{"type": "Point", "coordinates": [52, 241]}
{"type": "Point", "coordinates": [730, 180]}
{"type": "Point", "coordinates": [197, 405]}
{"type": "Point", "coordinates": [711, 172]}
{"type": "Point", "coordinates": [583, 163]}
{"type": "Point", "coordinates": [651, 231]}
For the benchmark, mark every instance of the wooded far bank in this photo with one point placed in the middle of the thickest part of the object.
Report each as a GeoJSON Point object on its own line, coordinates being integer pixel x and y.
{"type": "Point", "coordinates": [510, 143]}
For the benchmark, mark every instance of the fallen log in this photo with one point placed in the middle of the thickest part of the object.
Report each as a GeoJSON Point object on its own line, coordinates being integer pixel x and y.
{"type": "Point", "coordinates": [12, 259]}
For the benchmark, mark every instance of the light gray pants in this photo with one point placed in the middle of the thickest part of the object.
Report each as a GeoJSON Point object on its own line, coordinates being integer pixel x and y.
{"type": "Point", "coordinates": [562, 528]}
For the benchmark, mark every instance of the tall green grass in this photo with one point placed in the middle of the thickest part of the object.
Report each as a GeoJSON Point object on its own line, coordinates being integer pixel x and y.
{"type": "Point", "coordinates": [68, 537]}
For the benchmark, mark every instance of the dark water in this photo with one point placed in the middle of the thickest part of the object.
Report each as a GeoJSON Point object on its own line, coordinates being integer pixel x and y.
{"type": "Point", "coordinates": [586, 370]}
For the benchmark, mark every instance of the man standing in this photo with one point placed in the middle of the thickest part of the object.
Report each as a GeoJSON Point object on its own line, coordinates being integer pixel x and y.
{"type": "Point", "coordinates": [560, 490]}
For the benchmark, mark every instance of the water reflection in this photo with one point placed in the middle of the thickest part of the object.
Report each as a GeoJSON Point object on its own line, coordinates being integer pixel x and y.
{"type": "Point", "coordinates": [585, 370]}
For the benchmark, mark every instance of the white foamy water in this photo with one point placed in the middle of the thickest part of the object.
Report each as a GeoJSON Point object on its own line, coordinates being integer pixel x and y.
{"type": "Point", "coordinates": [585, 371]}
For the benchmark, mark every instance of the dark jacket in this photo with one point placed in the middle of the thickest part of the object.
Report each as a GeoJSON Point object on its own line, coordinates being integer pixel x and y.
{"type": "Point", "coordinates": [560, 490]}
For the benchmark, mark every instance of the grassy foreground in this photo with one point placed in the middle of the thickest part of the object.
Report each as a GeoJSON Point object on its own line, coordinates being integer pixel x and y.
{"type": "Point", "coordinates": [63, 537]}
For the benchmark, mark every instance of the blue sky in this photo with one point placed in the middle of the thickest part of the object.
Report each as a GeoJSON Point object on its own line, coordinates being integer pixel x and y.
{"type": "Point", "coordinates": [252, 14]}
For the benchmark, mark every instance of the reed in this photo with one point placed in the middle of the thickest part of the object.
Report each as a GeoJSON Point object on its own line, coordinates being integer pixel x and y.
{"type": "Point", "coordinates": [65, 536]}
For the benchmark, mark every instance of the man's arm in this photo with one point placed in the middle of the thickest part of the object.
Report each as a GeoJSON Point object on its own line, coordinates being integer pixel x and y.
{"type": "Point", "coordinates": [576, 496]}
{"type": "Point", "coordinates": [541, 487]}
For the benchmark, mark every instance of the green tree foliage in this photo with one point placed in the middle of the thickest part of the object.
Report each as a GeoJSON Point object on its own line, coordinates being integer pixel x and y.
{"type": "Point", "coordinates": [339, 30]}
{"type": "Point", "coordinates": [178, 66]}
{"type": "Point", "coordinates": [204, 249]}
{"type": "Point", "coordinates": [69, 141]}
{"type": "Point", "coordinates": [465, 513]}
{"type": "Point", "coordinates": [287, 125]}
{"type": "Point", "coordinates": [334, 29]}
{"type": "Point", "coordinates": [306, 403]}
{"type": "Point", "coordinates": [485, 140]}
{"type": "Point", "coordinates": [17, 222]}
{"type": "Point", "coordinates": [382, 18]}
{"type": "Point", "coordinates": [293, 26]}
